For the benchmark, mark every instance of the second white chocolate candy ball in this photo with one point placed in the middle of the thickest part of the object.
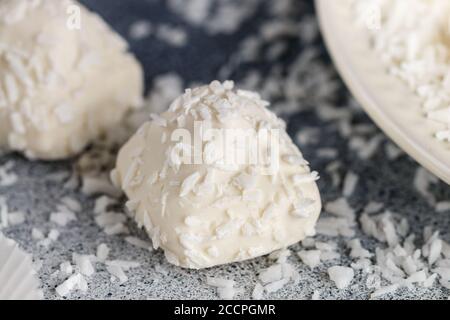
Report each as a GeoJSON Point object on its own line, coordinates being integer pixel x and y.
{"type": "Point", "coordinates": [214, 212]}
{"type": "Point", "coordinates": [61, 84]}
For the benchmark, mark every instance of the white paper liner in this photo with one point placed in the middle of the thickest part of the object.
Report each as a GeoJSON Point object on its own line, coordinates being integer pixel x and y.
{"type": "Point", "coordinates": [18, 279]}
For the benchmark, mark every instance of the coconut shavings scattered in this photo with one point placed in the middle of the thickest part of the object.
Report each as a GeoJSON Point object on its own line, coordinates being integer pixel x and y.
{"type": "Point", "coordinates": [277, 276]}
{"type": "Point", "coordinates": [66, 267]}
{"type": "Point", "coordinates": [99, 185]}
{"type": "Point", "coordinates": [226, 17]}
{"type": "Point", "coordinates": [74, 282]}
{"type": "Point", "coordinates": [72, 204]}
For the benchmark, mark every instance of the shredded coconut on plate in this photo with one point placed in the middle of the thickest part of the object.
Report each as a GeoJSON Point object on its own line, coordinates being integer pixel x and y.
{"type": "Point", "coordinates": [414, 47]}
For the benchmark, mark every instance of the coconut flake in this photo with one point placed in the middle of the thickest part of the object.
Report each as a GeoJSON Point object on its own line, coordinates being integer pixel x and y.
{"type": "Point", "coordinates": [62, 218]}
{"type": "Point", "coordinates": [341, 276]}
{"type": "Point", "coordinates": [102, 252]}
{"type": "Point", "coordinates": [140, 29]}
{"type": "Point", "coordinates": [310, 257]}
{"type": "Point", "coordinates": [125, 265]}
{"type": "Point", "coordinates": [299, 179]}
{"type": "Point", "coordinates": [117, 272]}
{"type": "Point", "coordinates": [384, 291]}
{"type": "Point", "coordinates": [316, 295]}
{"type": "Point", "coordinates": [16, 218]}
{"type": "Point", "coordinates": [350, 182]}
{"type": "Point", "coordinates": [84, 264]}
{"type": "Point", "coordinates": [71, 203]}
{"type": "Point", "coordinates": [189, 183]}
{"type": "Point", "coordinates": [443, 206]}
{"type": "Point", "coordinates": [74, 282]}
{"type": "Point", "coordinates": [257, 292]}
{"type": "Point", "coordinates": [37, 234]}
{"type": "Point", "coordinates": [341, 208]}
{"type": "Point", "coordinates": [66, 267]}
{"type": "Point", "coordinates": [139, 243]}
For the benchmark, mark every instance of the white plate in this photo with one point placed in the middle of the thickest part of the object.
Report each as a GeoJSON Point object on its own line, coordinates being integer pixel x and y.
{"type": "Point", "coordinates": [18, 279]}
{"type": "Point", "coordinates": [389, 102]}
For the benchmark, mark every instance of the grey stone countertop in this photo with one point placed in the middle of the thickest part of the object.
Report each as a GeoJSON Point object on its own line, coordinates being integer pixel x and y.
{"type": "Point", "coordinates": [291, 68]}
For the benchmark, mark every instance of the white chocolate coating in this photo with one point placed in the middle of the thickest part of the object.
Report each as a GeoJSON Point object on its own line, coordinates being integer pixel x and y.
{"type": "Point", "coordinates": [61, 87]}
{"type": "Point", "coordinates": [209, 214]}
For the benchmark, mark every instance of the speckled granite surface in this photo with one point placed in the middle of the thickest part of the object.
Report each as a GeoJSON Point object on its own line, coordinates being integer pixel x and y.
{"type": "Point", "coordinates": [381, 179]}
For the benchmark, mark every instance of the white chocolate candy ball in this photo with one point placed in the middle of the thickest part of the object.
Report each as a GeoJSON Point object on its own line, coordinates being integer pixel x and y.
{"type": "Point", "coordinates": [65, 77]}
{"type": "Point", "coordinates": [203, 208]}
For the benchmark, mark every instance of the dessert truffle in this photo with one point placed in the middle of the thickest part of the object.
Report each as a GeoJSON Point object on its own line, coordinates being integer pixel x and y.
{"type": "Point", "coordinates": [65, 77]}
{"type": "Point", "coordinates": [216, 179]}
